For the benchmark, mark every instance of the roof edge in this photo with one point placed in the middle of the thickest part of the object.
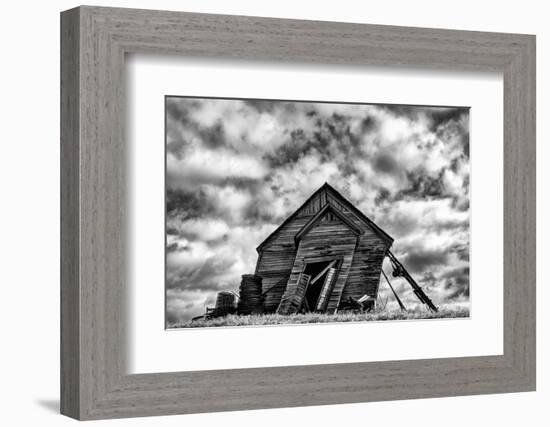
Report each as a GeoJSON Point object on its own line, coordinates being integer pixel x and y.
{"type": "Point", "coordinates": [259, 247]}
{"type": "Point", "coordinates": [327, 207]}
{"type": "Point", "coordinates": [385, 236]}
{"type": "Point", "coordinates": [355, 210]}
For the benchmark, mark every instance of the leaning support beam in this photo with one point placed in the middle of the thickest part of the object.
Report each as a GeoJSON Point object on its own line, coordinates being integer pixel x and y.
{"type": "Point", "coordinates": [327, 268]}
{"type": "Point", "coordinates": [394, 293]}
{"type": "Point", "coordinates": [399, 270]}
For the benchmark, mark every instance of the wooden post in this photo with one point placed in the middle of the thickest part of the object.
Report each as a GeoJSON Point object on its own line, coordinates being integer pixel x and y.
{"type": "Point", "coordinates": [326, 290]}
{"type": "Point", "coordinates": [401, 305]}
{"type": "Point", "coordinates": [399, 270]}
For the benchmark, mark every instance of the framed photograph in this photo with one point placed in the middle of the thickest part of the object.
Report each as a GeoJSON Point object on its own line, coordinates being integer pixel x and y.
{"type": "Point", "coordinates": [248, 184]}
{"type": "Point", "coordinates": [262, 213]}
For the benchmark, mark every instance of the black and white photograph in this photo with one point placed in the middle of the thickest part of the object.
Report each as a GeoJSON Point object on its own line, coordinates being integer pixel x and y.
{"type": "Point", "coordinates": [298, 212]}
{"type": "Point", "coordinates": [275, 213]}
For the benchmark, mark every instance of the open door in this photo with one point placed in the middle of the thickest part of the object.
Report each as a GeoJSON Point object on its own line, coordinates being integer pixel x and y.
{"type": "Point", "coordinates": [318, 290]}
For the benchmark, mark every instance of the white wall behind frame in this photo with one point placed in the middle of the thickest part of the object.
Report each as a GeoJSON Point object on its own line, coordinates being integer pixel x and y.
{"type": "Point", "coordinates": [30, 167]}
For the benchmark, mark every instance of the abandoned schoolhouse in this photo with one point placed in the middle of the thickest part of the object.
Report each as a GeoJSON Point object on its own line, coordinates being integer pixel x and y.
{"type": "Point", "coordinates": [323, 253]}
{"type": "Point", "coordinates": [325, 257]}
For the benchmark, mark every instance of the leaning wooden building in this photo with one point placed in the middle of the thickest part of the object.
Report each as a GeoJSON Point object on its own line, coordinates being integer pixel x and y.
{"type": "Point", "coordinates": [324, 253]}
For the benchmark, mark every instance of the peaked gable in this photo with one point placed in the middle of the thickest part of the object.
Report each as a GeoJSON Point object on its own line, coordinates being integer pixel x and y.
{"type": "Point", "coordinates": [317, 201]}
{"type": "Point", "coordinates": [328, 209]}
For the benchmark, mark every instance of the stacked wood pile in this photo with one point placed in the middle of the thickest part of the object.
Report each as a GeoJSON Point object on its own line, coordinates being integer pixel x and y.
{"type": "Point", "coordinates": [225, 303]}
{"type": "Point", "coordinates": [251, 300]}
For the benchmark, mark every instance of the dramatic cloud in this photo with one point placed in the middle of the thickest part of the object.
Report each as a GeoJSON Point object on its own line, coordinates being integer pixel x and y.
{"type": "Point", "coordinates": [237, 168]}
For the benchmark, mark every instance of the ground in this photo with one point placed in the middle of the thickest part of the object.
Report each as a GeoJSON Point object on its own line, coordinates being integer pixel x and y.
{"type": "Point", "coordinates": [277, 319]}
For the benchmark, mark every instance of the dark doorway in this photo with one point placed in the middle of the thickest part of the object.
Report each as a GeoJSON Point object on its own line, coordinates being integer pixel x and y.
{"type": "Point", "coordinates": [318, 272]}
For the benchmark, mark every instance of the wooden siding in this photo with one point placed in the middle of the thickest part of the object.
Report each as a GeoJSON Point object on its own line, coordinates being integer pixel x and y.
{"type": "Point", "coordinates": [364, 274]}
{"type": "Point", "coordinates": [314, 205]}
{"type": "Point", "coordinates": [275, 262]}
{"type": "Point", "coordinates": [320, 199]}
{"type": "Point", "coordinates": [327, 194]}
{"type": "Point", "coordinates": [276, 259]}
{"type": "Point", "coordinates": [332, 239]}
{"type": "Point", "coordinates": [359, 270]}
{"type": "Point", "coordinates": [274, 288]}
{"type": "Point", "coordinates": [292, 301]}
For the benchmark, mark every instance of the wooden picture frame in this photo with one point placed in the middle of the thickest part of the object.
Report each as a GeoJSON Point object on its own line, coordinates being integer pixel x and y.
{"type": "Point", "coordinates": [94, 41]}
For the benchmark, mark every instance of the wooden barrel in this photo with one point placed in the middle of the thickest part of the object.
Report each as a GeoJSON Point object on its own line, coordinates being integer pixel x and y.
{"type": "Point", "coordinates": [250, 295]}
{"type": "Point", "coordinates": [225, 303]}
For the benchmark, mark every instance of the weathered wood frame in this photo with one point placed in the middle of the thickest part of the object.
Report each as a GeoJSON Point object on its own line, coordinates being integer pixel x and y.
{"type": "Point", "coordinates": [94, 41]}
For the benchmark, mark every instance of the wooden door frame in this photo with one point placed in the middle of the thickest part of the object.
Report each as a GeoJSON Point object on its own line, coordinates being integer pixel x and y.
{"type": "Point", "coordinates": [312, 260]}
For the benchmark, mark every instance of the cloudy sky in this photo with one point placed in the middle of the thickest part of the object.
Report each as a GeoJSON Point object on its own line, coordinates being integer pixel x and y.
{"type": "Point", "coordinates": [237, 168]}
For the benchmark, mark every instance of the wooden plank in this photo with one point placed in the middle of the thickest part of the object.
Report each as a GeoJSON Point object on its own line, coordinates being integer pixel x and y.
{"type": "Point", "coordinates": [300, 294]}
{"type": "Point", "coordinates": [337, 291]}
{"type": "Point", "coordinates": [401, 305]}
{"type": "Point", "coordinates": [323, 271]}
{"type": "Point", "coordinates": [294, 296]}
{"type": "Point", "coordinates": [402, 271]}
{"type": "Point", "coordinates": [326, 290]}
{"type": "Point", "coordinates": [364, 274]}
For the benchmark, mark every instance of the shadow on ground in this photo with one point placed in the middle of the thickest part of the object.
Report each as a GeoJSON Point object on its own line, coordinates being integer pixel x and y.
{"type": "Point", "coordinates": [51, 405]}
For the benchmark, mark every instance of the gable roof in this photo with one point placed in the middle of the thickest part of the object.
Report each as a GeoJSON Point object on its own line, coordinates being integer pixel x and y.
{"type": "Point", "coordinates": [329, 207]}
{"type": "Point", "coordinates": [327, 187]}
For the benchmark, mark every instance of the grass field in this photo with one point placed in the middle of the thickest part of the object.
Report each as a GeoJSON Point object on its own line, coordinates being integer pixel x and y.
{"type": "Point", "coordinates": [277, 319]}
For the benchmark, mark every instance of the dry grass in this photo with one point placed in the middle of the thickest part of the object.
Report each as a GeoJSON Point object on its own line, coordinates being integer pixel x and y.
{"type": "Point", "coordinates": [277, 319]}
